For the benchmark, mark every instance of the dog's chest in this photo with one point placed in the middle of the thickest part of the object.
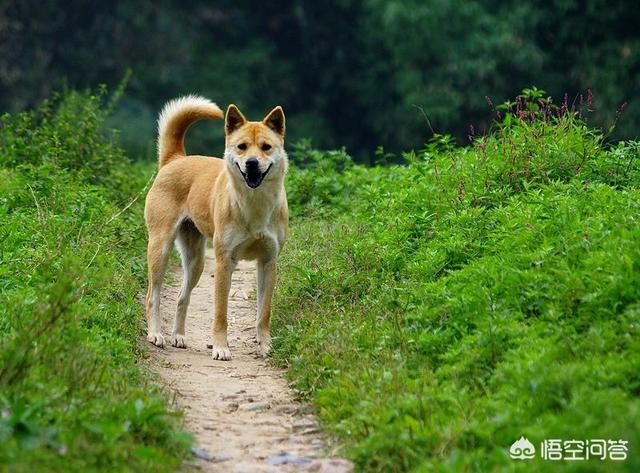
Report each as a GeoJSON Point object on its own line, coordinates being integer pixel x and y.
{"type": "Point", "coordinates": [256, 211]}
{"type": "Point", "coordinates": [254, 236]}
{"type": "Point", "coordinates": [257, 244]}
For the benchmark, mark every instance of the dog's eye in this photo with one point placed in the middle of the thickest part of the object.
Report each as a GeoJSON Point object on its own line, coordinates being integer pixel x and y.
{"type": "Point", "coordinates": [266, 147]}
{"type": "Point", "coordinates": [242, 146]}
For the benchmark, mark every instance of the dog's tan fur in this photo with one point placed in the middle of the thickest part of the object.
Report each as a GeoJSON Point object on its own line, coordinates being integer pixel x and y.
{"type": "Point", "coordinates": [195, 197]}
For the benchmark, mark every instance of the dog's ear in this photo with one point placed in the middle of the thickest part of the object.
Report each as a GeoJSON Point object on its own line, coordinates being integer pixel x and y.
{"type": "Point", "coordinates": [233, 120]}
{"type": "Point", "coordinates": [275, 120]}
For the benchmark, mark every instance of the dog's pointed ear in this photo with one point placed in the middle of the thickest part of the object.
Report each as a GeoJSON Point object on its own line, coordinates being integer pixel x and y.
{"type": "Point", "coordinates": [233, 120]}
{"type": "Point", "coordinates": [275, 120]}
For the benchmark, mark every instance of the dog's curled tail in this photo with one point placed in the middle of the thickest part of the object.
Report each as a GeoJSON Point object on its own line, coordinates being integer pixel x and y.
{"type": "Point", "coordinates": [176, 117]}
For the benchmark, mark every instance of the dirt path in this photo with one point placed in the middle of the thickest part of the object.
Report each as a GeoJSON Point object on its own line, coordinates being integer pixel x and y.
{"type": "Point", "coordinates": [242, 412]}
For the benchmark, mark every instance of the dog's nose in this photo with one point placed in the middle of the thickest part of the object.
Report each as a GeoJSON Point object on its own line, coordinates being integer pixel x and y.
{"type": "Point", "coordinates": [251, 163]}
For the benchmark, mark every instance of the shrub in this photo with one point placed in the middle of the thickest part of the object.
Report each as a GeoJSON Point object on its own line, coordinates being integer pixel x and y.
{"type": "Point", "coordinates": [73, 395]}
{"type": "Point", "coordinates": [439, 310]}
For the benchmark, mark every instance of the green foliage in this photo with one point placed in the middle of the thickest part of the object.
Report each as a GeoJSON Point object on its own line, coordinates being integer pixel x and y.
{"type": "Point", "coordinates": [436, 312]}
{"type": "Point", "coordinates": [73, 396]}
{"type": "Point", "coordinates": [313, 183]}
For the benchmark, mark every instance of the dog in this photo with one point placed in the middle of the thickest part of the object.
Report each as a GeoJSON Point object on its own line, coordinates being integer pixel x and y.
{"type": "Point", "coordinates": [238, 201]}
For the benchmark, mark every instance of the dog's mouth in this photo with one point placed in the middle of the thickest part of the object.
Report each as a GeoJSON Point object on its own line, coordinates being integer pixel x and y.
{"type": "Point", "coordinates": [254, 177]}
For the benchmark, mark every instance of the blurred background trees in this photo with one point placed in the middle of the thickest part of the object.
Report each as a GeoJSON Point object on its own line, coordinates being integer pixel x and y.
{"type": "Point", "coordinates": [349, 73]}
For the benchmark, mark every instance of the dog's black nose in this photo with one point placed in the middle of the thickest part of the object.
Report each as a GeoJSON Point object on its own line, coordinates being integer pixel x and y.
{"type": "Point", "coordinates": [251, 163]}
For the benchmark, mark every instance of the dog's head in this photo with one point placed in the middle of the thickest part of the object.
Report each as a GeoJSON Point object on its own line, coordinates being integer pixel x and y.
{"type": "Point", "coordinates": [254, 151]}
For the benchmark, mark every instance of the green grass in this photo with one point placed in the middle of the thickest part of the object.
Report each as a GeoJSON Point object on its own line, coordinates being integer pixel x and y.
{"type": "Point", "coordinates": [437, 311]}
{"type": "Point", "coordinates": [73, 394]}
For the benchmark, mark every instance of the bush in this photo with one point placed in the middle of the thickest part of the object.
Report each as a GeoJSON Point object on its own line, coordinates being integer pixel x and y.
{"type": "Point", "coordinates": [438, 311]}
{"type": "Point", "coordinates": [73, 395]}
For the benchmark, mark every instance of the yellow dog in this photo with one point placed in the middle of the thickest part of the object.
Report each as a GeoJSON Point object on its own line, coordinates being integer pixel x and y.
{"type": "Point", "coordinates": [239, 201]}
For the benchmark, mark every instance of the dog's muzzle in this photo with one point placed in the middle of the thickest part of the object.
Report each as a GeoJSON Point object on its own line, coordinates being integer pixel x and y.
{"type": "Point", "coordinates": [252, 175]}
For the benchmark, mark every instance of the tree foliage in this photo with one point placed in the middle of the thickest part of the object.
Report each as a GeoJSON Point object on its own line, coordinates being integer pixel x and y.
{"type": "Point", "coordinates": [354, 73]}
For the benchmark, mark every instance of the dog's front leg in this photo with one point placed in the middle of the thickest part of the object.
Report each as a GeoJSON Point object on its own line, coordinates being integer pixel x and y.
{"type": "Point", "coordinates": [222, 284]}
{"type": "Point", "coordinates": [266, 272]}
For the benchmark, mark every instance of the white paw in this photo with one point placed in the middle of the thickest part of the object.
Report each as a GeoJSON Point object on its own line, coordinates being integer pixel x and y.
{"type": "Point", "coordinates": [264, 349]}
{"type": "Point", "coordinates": [156, 338]}
{"type": "Point", "coordinates": [221, 353]}
{"type": "Point", "coordinates": [264, 344]}
{"type": "Point", "coordinates": [178, 341]}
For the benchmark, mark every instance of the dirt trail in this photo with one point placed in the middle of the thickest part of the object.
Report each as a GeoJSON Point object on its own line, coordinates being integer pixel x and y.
{"type": "Point", "coordinates": [242, 412]}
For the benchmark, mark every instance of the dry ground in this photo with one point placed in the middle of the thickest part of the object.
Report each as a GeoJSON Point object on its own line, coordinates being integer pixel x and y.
{"type": "Point", "coordinates": [242, 412]}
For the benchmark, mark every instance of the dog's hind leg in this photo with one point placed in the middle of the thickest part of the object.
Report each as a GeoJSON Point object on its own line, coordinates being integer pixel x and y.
{"type": "Point", "coordinates": [191, 245]}
{"type": "Point", "coordinates": [158, 250]}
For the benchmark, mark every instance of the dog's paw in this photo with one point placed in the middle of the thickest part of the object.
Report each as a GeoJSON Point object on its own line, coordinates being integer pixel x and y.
{"type": "Point", "coordinates": [156, 338]}
{"type": "Point", "coordinates": [264, 349]}
{"type": "Point", "coordinates": [221, 353]}
{"type": "Point", "coordinates": [264, 344]}
{"type": "Point", "coordinates": [178, 341]}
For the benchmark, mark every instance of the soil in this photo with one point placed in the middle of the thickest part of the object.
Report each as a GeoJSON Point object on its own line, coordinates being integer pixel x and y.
{"type": "Point", "coordinates": [244, 416]}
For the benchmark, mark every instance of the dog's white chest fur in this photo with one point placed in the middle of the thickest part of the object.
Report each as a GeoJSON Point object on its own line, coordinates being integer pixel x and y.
{"type": "Point", "coordinates": [257, 216]}
{"type": "Point", "coordinates": [255, 228]}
